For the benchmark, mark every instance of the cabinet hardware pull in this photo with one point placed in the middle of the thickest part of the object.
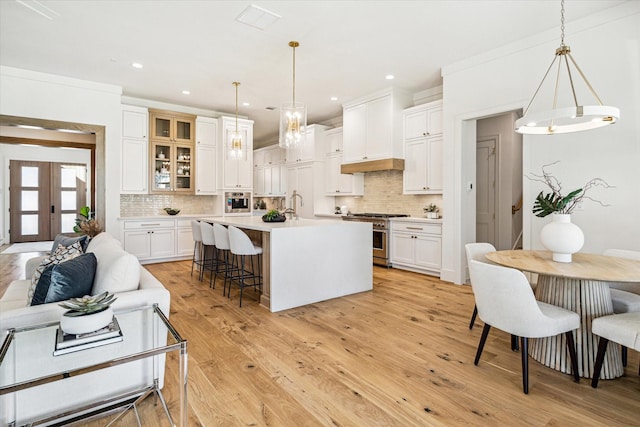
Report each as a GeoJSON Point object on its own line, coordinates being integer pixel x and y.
{"type": "Point", "coordinates": [414, 228]}
{"type": "Point", "coordinates": [150, 225]}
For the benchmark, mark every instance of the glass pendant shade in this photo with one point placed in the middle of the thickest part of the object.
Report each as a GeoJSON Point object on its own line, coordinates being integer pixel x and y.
{"type": "Point", "coordinates": [293, 123]}
{"type": "Point", "coordinates": [293, 115]}
{"type": "Point", "coordinates": [235, 143]}
{"type": "Point", "coordinates": [573, 118]}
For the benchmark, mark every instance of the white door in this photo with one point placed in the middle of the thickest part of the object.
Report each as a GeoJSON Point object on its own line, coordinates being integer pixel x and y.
{"type": "Point", "coordinates": [486, 162]}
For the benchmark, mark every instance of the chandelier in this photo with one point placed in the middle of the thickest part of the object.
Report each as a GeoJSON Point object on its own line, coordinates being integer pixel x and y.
{"type": "Point", "coordinates": [236, 147]}
{"type": "Point", "coordinates": [293, 115]}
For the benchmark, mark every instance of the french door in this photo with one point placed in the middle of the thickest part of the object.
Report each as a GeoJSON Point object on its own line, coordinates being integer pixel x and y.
{"type": "Point", "coordinates": [44, 199]}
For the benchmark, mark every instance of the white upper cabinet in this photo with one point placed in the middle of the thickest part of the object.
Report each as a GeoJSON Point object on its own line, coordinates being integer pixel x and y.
{"type": "Point", "coordinates": [423, 145]}
{"type": "Point", "coordinates": [423, 120]}
{"type": "Point", "coordinates": [237, 173]}
{"type": "Point", "coordinates": [313, 145]}
{"type": "Point", "coordinates": [206, 156]}
{"type": "Point", "coordinates": [336, 183]}
{"type": "Point", "coordinates": [333, 141]}
{"type": "Point", "coordinates": [372, 127]}
{"type": "Point", "coordinates": [269, 173]}
{"type": "Point", "coordinates": [135, 150]}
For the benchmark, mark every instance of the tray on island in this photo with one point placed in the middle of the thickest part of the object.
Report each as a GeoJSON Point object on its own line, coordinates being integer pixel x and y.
{"type": "Point", "coordinates": [279, 218]}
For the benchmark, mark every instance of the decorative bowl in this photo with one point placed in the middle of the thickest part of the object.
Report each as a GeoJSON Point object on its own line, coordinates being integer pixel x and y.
{"type": "Point", "coordinates": [172, 211]}
{"type": "Point", "coordinates": [279, 218]}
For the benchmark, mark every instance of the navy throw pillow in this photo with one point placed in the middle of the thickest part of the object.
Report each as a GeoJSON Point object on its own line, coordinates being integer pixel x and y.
{"type": "Point", "coordinates": [68, 241]}
{"type": "Point", "coordinates": [69, 279]}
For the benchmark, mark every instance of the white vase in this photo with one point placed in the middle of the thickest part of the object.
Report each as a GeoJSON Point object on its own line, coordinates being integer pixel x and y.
{"type": "Point", "coordinates": [87, 323]}
{"type": "Point", "coordinates": [562, 237]}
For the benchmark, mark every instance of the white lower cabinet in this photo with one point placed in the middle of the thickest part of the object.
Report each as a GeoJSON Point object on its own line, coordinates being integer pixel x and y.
{"type": "Point", "coordinates": [158, 239]}
{"type": "Point", "coordinates": [416, 246]}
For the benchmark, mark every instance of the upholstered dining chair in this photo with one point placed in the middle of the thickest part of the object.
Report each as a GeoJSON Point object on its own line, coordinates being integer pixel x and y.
{"type": "Point", "coordinates": [224, 248]}
{"type": "Point", "coordinates": [505, 301]}
{"type": "Point", "coordinates": [242, 246]}
{"type": "Point", "coordinates": [197, 246]}
{"type": "Point", "coordinates": [625, 297]}
{"type": "Point", "coordinates": [477, 251]}
{"type": "Point", "coordinates": [210, 259]}
{"type": "Point", "coordinates": [623, 329]}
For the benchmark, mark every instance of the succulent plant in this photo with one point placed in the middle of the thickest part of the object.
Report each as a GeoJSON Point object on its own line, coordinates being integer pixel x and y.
{"type": "Point", "coordinates": [87, 304]}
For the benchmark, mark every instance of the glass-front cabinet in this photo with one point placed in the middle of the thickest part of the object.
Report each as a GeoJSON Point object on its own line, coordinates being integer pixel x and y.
{"type": "Point", "coordinates": [172, 151]}
{"type": "Point", "coordinates": [172, 167]}
{"type": "Point", "coordinates": [172, 128]}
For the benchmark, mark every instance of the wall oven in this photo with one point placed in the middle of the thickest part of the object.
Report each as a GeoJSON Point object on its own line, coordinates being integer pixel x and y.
{"type": "Point", "coordinates": [380, 236]}
{"type": "Point", "coordinates": [237, 202]}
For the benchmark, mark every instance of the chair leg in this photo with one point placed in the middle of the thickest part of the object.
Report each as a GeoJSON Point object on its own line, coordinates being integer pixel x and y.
{"type": "Point", "coordinates": [624, 356]}
{"type": "Point", "coordinates": [473, 316]}
{"type": "Point", "coordinates": [525, 364]}
{"type": "Point", "coordinates": [572, 354]}
{"type": "Point", "coordinates": [193, 258]}
{"type": "Point", "coordinates": [241, 277]}
{"type": "Point", "coordinates": [514, 343]}
{"type": "Point", "coordinates": [483, 339]}
{"type": "Point", "coordinates": [602, 349]}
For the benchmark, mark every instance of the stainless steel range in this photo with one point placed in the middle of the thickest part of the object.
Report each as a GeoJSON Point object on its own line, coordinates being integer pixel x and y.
{"type": "Point", "coordinates": [380, 223]}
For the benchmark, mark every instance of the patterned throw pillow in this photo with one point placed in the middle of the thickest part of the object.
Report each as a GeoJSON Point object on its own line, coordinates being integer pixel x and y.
{"type": "Point", "coordinates": [61, 254]}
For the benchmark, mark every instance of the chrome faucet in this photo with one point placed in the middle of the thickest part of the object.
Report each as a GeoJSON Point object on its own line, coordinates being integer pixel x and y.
{"type": "Point", "coordinates": [293, 211]}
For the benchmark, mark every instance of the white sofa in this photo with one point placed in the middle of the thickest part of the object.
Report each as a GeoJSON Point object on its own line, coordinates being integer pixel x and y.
{"type": "Point", "coordinates": [116, 271]}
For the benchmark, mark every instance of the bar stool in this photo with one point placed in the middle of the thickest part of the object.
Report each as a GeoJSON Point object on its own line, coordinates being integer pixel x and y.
{"type": "Point", "coordinates": [209, 245]}
{"type": "Point", "coordinates": [197, 247]}
{"type": "Point", "coordinates": [224, 249]}
{"type": "Point", "coordinates": [241, 245]}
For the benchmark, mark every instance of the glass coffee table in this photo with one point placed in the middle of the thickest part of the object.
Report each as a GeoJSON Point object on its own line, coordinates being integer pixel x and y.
{"type": "Point", "coordinates": [96, 381]}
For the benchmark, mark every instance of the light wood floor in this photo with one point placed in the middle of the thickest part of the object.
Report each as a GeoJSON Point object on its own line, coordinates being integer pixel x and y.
{"type": "Point", "coordinates": [401, 355]}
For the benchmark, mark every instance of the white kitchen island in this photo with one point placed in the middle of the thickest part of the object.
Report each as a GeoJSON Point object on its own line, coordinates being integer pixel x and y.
{"type": "Point", "coordinates": [307, 261]}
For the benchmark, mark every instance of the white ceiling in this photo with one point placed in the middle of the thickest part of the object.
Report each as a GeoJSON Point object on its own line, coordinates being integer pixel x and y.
{"type": "Point", "coordinates": [346, 47]}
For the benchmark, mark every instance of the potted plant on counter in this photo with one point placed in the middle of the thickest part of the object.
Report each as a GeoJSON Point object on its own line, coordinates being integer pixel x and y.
{"type": "Point", "coordinates": [273, 216]}
{"type": "Point", "coordinates": [432, 211]}
{"type": "Point", "coordinates": [87, 314]}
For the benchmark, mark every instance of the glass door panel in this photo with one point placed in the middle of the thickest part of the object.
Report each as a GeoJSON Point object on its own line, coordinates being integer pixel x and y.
{"type": "Point", "coordinates": [161, 128]}
{"type": "Point", "coordinates": [161, 161]}
{"type": "Point", "coordinates": [183, 167]}
{"type": "Point", "coordinates": [183, 130]}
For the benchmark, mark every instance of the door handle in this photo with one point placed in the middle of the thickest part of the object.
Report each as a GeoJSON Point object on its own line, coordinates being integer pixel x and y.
{"type": "Point", "coordinates": [53, 209]}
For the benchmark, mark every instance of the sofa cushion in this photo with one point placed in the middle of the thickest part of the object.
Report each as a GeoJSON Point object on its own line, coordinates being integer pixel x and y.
{"type": "Point", "coordinates": [61, 254]}
{"type": "Point", "coordinates": [68, 241]}
{"type": "Point", "coordinates": [117, 271]}
{"type": "Point", "coordinates": [70, 279]}
{"type": "Point", "coordinates": [101, 239]}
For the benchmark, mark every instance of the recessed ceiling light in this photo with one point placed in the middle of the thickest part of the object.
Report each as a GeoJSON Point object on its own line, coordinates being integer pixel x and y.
{"type": "Point", "coordinates": [334, 98]}
{"type": "Point", "coordinates": [186, 92]}
{"type": "Point", "coordinates": [136, 65]}
{"type": "Point", "coordinates": [389, 77]}
{"type": "Point", "coordinates": [257, 17]}
{"type": "Point", "coordinates": [246, 104]}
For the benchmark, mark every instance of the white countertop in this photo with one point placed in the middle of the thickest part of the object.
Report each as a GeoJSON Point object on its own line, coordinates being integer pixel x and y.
{"type": "Point", "coordinates": [417, 219]}
{"type": "Point", "coordinates": [162, 216]}
{"type": "Point", "coordinates": [256, 223]}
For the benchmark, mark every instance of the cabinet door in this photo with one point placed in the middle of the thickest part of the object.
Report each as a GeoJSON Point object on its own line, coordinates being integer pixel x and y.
{"type": "Point", "coordinates": [206, 133]}
{"type": "Point", "coordinates": [415, 166]}
{"type": "Point", "coordinates": [134, 166]}
{"type": "Point", "coordinates": [402, 248]}
{"type": "Point", "coordinates": [333, 143]}
{"type": "Point", "coordinates": [300, 178]}
{"type": "Point", "coordinates": [138, 243]}
{"type": "Point", "coordinates": [183, 179]}
{"type": "Point", "coordinates": [434, 121]}
{"type": "Point", "coordinates": [184, 241]}
{"type": "Point", "coordinates": [332, 174]}
{"type": "Point", "coordinates": [161, 171]}
{"type": "Point", "coordinates": [162, 243]}
{"type": "Point", "coordinates": [415, 125]}
{"type": "Point", "coordinates": [379, 131]}
{"type": "Point", "coordinates": [258, 158]}
{"type": "Point", "coordinates": [354, 133]}
{"type": "Point", "coordinates": [134, 124]}
{"type": "Point", "coordinates": [206, 167]}
{"type": "Point", "coordinates": [428, 252]}
{"type": "Point", "coordinates": [183, 130]}
{"type": "Point", "coordinates": [259, 181]}
{"type": "Point", "coordinates": [161, 127]}
{"type": "Point", "coordinates": [434, 168]}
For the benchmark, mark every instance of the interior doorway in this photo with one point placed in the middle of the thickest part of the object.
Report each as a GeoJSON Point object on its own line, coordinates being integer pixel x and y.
{"type": "Point", "coordinates": [45, 198]}
{"type": "Point", "coordinates": [498, 162]}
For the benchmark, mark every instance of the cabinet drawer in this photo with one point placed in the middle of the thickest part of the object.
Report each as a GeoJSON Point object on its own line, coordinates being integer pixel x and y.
{"type": "Point", "coordinates": [421, 228]}
{"type": "Point", "coordinates": [184, 223]}
{"type": "Point", "coordinates": [151, 223]}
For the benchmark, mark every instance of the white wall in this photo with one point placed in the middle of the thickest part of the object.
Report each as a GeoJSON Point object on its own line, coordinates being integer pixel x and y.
{"type": "Point", "coordinates": [44, 96]}
{"type": "Point", "coordinates": [10, 152]}
{"type": "Point", "coordinates": [607, 48]}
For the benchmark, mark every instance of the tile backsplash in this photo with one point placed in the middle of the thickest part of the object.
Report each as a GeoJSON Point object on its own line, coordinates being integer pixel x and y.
{"type": "Point", "coordinates": [383, 194]}
{"type": "Point", "coordinates": [153, 204]}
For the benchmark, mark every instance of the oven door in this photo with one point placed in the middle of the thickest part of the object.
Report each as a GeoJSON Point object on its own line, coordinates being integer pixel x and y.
{"type": "Point", "coordinates": [380, 247]}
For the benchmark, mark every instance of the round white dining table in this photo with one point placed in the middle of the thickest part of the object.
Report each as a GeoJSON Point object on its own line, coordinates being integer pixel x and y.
{"type": "Point", "coordinates": [581, 286]}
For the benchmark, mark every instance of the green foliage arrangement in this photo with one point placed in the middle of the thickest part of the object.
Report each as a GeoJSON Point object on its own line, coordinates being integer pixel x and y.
{"type": "Point", "coordinates": [271, 215]}
{"type": "Point", "coordinates": [555, 201]}
{"type": "Point", "coordinates": [87, 304]}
